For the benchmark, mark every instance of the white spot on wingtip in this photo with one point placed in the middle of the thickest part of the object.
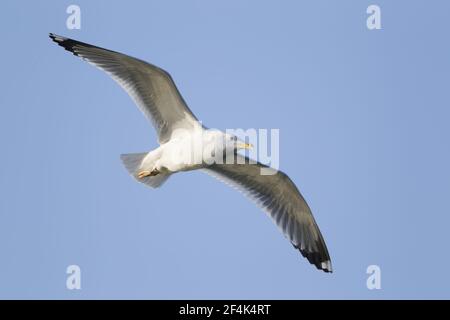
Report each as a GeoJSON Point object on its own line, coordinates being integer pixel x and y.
{"type": "Point", "coordinates": [326, 265]}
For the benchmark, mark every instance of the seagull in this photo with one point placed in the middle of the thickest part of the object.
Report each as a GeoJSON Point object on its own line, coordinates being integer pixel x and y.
{"type": "Point", "coordinates": [178, 130]}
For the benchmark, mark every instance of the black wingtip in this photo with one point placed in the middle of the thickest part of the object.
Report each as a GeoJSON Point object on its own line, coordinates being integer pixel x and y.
{"type": "Point", "coordinates": [64, 42]}
{"type": "Point", "coordinates": [74, 46]}
{"type": "Point", "coordinates": [56, 38]}
{"type": "Point", "coordinates": [319, 260]}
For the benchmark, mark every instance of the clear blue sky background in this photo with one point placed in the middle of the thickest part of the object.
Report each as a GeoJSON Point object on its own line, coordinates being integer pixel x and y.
{"type": "Point", "coordinates": [364, 128]}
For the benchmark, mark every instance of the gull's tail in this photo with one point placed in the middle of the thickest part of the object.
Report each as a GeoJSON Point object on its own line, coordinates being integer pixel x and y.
{"type": "Point", "coordinates": [132, 161]}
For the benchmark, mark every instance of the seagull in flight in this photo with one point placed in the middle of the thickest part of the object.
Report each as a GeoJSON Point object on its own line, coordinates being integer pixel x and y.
{"type": "Point", "coordinates": [154, 92]}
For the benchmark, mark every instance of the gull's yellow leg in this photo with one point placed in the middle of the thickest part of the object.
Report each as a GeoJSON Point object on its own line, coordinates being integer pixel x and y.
{"type": "Point", "coordinates": [146, 173]}
{"type": "Point", "coordinates": [143, 174]}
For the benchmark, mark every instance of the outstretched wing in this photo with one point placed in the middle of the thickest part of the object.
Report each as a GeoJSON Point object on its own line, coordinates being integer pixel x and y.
{"type": "Point", "coordinates": [280, 198]}
{"type": "Point", "coordinates": [151, 88]}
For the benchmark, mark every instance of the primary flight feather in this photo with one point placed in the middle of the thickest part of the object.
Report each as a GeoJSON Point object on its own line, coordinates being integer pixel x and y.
{"type": "Point", "coordinates": [156, 95]}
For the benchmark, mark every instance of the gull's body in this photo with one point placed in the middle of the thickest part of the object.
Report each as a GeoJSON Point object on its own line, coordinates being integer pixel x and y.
{"type": "Point", "coordinates": [182, 139]}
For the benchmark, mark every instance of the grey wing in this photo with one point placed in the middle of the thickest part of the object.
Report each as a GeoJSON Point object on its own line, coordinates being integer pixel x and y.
{"type": "Point", "coordinates": [280, 198]}
{"type": "Point", "coordinates": [151, 88]}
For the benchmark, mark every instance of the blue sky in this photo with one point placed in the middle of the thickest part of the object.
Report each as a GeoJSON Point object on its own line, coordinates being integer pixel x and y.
{"type": "Point", "coordinates": [364, 127]}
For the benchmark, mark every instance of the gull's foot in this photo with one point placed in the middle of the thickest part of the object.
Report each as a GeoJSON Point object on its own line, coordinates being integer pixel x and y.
{"type": "Point", "coordinates": [147, 173]}
{"type": "Point", "coordinates": [143, 174]}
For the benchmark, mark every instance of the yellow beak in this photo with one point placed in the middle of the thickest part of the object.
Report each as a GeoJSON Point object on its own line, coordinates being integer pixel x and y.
{"type": "Point", "coordinates": [244, 146]}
